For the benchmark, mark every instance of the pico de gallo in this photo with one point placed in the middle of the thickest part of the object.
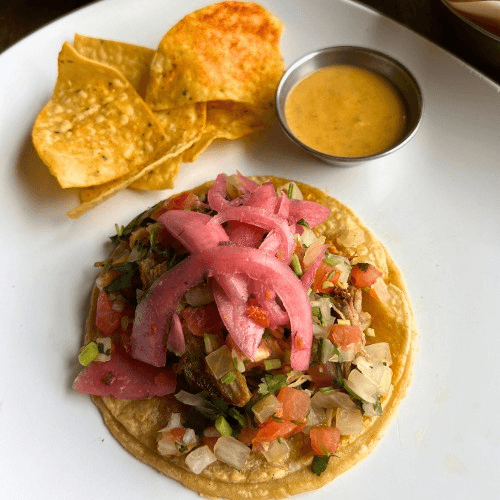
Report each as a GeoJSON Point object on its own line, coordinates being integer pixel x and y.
{"type": "Point", "coordinates": [231, 303]}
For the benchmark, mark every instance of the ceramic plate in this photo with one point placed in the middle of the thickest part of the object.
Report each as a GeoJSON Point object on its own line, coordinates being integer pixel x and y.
{"type": "Point", "coordinates": [434, 204]}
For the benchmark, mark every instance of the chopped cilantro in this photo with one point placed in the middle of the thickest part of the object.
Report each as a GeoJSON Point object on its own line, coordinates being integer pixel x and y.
{"type": "Point", "coordinates": [124, 280]}
{"type": "Point", "coordinates": [377, 406]}
{"type": "Point", "coordinates": [271, 383]}
{"type": "Point", "coordinates": [234, 413]}
{"type": "Point", "coordinates": [319, 464]}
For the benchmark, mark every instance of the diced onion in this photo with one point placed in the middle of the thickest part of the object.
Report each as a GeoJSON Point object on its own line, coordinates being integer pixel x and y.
{"type": "Point", "coordinates": [238, 362]}
{"type": "Point", "coordinates": [379, 352]}
{"type": "Point", "coordinates": [189, 438]}
{"type": "Point", "coordinates": [381, 291]}
{"type": "Point", "coordinates": [200, 458]}
{"type": "Point", "coordinates": [296, 193]}
{"type": "Point", "coordinates": [333, 399]}
{"type": "Point", "coordinates": [265, 408]}
{"type": "Point", "coordinates": [199, 295]}
{"type": "Point", "coordinates": [349, 421]}
{"type": "Point", "coordinates": [220, 362]}
{"type": "Point", "coordinates": [231, 451]}
{"type": "Point", "coordinates": [377, 373]}
{"type": "Point", "coordinates": [167, 447]}
{"type": "Point", "coordinates": [104, 345]}
{"type": "Point", "coordinates": [362, 386]}
{"type": "Point", "coordinates": [307, 238]}
{"type": "Point", "coordinates": [316, 416]}
{"type": "Point", "coordinates": [277, 452]}
{"type": "Point", "coordinates": [190, 399]}
{"type": "Point", "coordinates": [372, 410]}
{"type": "Point", "coordinates": [174, 422]}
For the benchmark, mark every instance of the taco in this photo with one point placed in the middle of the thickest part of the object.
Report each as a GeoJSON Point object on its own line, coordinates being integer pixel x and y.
{"type": "Point", "coordinates": [250, 338]}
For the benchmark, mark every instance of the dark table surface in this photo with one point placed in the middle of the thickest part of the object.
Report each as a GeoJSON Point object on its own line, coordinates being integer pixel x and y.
{"type": "Point", "coordinates": [428, 18]}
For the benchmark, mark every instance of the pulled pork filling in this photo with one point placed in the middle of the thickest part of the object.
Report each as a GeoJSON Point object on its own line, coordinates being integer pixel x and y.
{"type": "Point", "coordinates": [256, 325]}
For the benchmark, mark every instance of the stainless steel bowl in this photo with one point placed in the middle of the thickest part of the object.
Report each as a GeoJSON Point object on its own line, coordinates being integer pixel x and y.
{"type": "Point", "coordinates": [366, 58]}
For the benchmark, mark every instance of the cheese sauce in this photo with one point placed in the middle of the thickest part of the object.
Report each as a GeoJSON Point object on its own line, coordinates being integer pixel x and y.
{"type": "Point", "coordinates": [345, 111]}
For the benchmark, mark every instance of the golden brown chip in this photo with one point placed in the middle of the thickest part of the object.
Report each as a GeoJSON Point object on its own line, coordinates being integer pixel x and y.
{"type": "Point", "coordinates": [228, 120]}
{"type": "Point", "coordinates": [161, 177]}
{"type": "Point", "coordinates": [133, 61]}
{"type": "Point", "coordinates": [226, 51]}
{"type": "Point", "coordinates": [184, 124]}
{"type": "Point", "coordinates": [95, 128]}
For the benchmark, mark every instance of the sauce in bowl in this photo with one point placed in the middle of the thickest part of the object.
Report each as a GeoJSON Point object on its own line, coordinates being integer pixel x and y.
{"type": "Point", "coordinates": [346, 111]}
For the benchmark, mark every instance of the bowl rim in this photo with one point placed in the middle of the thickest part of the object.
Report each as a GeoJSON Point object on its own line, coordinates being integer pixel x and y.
{"type": "Point", "coordinates": [471, 23]}
{"type": "Point", "coordinates": [347, 48]}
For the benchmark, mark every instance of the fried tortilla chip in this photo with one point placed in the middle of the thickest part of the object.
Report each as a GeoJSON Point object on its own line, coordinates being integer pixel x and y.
{"type": "Point", "coordinates": [95, 128]}
{"type": "Point", "coordinates": [226, 51]}
{"type": "Point", "coordinates": [135, 424]}
{"type": "Point", "coordinates": [161, 177]}
{"type": "Point", "coordinates": [182, 125]}
{"type": "Point", "coordinates": [228, 120]}
{"type": "Point", "coordinates": [91, 196]}
{"type": "Point", "coordinates": [133, 61]}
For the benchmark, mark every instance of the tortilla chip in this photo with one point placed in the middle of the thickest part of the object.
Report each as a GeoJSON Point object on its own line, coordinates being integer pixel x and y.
{"type": "Point", "coordinates": [161, 177]}
{"type": "Point", "coordinates": [95, 128]}
{"type": "Point", "coordinates": [133, 61]}
{"type": "Point", "coordinates": [228, 120]}
{"type": "Point", "coordinates": [91, 196]}
{"type": "Point", "coordinates": [182, 125]}
{"type": "Point", "coordinates": [135, 424]}
{"type": "Point", "coordinates": [227, 51]}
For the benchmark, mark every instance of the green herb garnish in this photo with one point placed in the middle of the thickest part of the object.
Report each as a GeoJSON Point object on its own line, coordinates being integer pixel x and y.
{"type": "Point", "coordinates": [222, 425]}
{"type": "Point", "coordinates": [271, 383]}
{"type": "Point", "coordinates": [297, 268]}
{"type": "Point", "coordinates": [88, 354]}
{"type": "Point", "coordinates": [272, 364]}
{"type": "Point", "coordinates": [234, 413]}
{"type": "Point", "coordinates": [319, 464]}
{"type": "Point", "coordinates": [124, 280]}
{"type": "Point", "coordinates": [331, 260]}
{"type": "Point", "coordinates": [303, 222]}
{"type": "Point", "coordinates": [228, 378]}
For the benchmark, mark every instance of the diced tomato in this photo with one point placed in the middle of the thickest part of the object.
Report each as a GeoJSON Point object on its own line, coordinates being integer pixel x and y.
{"type": "Point", "coordinates": [324, 273]}
{"type": "Point", "coordinates": [247, 435]}
{"type": "Point", "coordinates": [322, 375]}
{"type": "Point", "coordinates": [345, 335]}
{"type": "Point", "coordinates": [209, 441]}
{"type": "Point", "coordinates": [201, 320]}
{"type": "Point", "coordinates": [324, 440]}
{"type": "Point", "coordinates": [273, 430]}
{"type": "Point", "coordinates": [183, 201]}
{"type": "Point", "coordinates": [258, 315]}
{"type": "Point", "coordinates": [363, 275]}
{"type": "Point", "coordinates": [177, 434]}
{"type": "Point", "coordinates": [296, 403]}
{"type": "Point", "coordinates": [107, 319]}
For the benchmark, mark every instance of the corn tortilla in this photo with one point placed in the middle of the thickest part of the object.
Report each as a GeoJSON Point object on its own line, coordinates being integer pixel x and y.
{"type": "Point", "coordinates": [135, 423]}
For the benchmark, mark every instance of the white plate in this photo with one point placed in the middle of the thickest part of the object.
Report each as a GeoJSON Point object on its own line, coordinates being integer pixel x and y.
{"type": "Point", "coordinates": [434, 203]}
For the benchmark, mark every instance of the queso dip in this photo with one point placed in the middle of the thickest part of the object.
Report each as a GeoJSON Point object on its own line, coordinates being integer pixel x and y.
{"type": "Point", "coordinates": [345, 111]}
